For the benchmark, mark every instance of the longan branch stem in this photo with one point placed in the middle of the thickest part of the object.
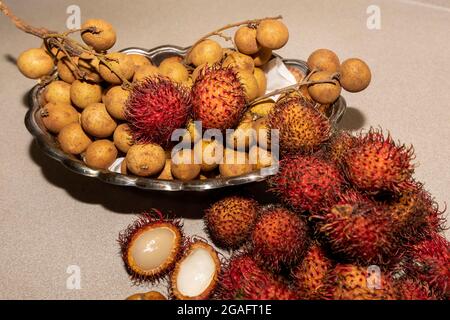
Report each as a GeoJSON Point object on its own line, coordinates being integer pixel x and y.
{"type": "Point", "coordinates": [218, 32]}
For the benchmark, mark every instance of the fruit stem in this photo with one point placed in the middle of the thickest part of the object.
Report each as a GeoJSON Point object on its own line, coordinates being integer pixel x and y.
{"type": "Point", "coordinates": [219, 33]}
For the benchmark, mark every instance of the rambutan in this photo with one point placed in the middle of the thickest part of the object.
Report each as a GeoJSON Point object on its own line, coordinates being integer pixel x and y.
{"type": "Point", "coordinates": [411, 289]}
{"type": "Point", "coordinates": [310, 274]}
{"type": "Point", "coordinates": [361, 232]}
{"type": "Point", "coordinates": [243, 279]}
{"type": "Point", "coordinates": [279, 238]}
{"type": "Point", "coordinates": [377, 163]}
{"type": "Point", "coordinates": [163, 236]}
{"type": "Point", "coordinates": [231, 220]}
{"type": "Point", "coordinates": [351, 282]}
{"type": "Point", "coordinates": [429, 261]}
{"type": "Point", "coordinates": [218, 97]}
{"type": "Point", "coordinates": [338, 145]}
{"type": "Point", "coordinates": [307, 183]}
{"type": "Point", "coordinates": [156, 107]}
{"type": "Point", "coordinates": [301, 128]}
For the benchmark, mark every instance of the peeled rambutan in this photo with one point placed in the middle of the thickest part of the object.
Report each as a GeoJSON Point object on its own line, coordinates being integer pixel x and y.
{"type": "Point", "coordinates": [218, 97]}
{"type": "Point", "coordinates": [377, 163]}
{"type": "Point", "coordinates": [411, 289]}
{"type": "Point", "coordinates": [231, 220]}
{"type": "Point", "coordinates": [243, 279]}
{"type": "Point", "coordinates": [301, 128]}
{"type": "Point", "coordinates": [310, 274]}
{"type": "Point", "coordinates": [429, 261]}
{"type": "Point", "coordinates": [307, 183]}
{"type": "Point", "coordinates": [151, 246]}
{"type": "Point", "coordinates": [156, 107]}
{"type": "Point", "coordinates": [279, 238]}
{"type": "Point", "coordinates": [361, 232]}
{"type": "Point", "coordinates": [352, 282]}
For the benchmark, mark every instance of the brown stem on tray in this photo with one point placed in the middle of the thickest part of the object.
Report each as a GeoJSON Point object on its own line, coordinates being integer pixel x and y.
{"type": "Point", "coordinates": [219, 33]}
{"type": "Point", "coordinates": [70, 47]}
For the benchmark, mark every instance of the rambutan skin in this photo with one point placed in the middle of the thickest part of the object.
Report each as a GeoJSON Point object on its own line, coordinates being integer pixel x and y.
{"type": "Point", "coordinates": [231, 220]}
{"type": "Point", "coordinates": [279, 238]}
{"type": "Point", "coordinates": [411, 289]}
{"type": "Point", "coordinates": [156, 107]}
{"type": "Point", "coordinates": [301, 128]}
{"type": "Point", "coordinates": [218, 97]}
{"type": "Point", "coordinates": [352, 282]}
{"type": "Point", "coordinates": [338, 146]}
{"type": "Point", "coordinates": [377, 163]}
{"type": "Point", "coordinates": [307, 183]}
{"type": "Point", "coordinates": [310, 274]}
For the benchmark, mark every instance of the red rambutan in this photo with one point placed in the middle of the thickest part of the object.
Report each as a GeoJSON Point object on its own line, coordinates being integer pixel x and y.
{"type": "Point", "coordinates": [279, 238]}
{"type": "Point", "coordinates": [377, 163]}
{"type": "Point", "coordinates": [156, 107]}
{"type": "Point", "coordinates": [307, 183]}
{"type": "Point", "coordinates": [218, 97]}
{"type": "Point", "coordinates": [339, 145]}
{"type": "Point", "coordinates": [411, 289]}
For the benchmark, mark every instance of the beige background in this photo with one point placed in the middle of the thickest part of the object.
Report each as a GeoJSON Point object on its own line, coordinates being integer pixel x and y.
{"type": "Point", "coordinates": [51, 218]}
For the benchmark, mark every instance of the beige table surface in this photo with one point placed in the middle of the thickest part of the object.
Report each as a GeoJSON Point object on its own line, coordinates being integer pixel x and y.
{"type": "Point", "coordinates": [51, 218]}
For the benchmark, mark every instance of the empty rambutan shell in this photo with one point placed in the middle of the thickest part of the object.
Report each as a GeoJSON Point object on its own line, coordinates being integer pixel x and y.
{"type": "Point", "coordinates": [155, 108]}
{"type": "Point", "coordinates": [151, 246]}
{"type": "Point", "coordinates": [195, 276]}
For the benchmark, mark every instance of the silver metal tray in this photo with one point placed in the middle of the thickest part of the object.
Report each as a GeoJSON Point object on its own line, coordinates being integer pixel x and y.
{"type": "Point", "coordinates": [49, 145]}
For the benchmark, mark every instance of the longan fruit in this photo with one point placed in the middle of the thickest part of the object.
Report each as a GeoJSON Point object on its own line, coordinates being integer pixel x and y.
{"type": "Point", "coordinates": [207, 51]}
{"type": "Point", "coordinates": [145, 71]}
{"type": "Point", "coordinates": [260, 157]}
{"type": "Point", "coordinates": [90, 68]}
{"type": "Point", "coordinates": [211, 153]}
{"type": "Point", "coordinates": [145, 159]}
{"type": "Point", "coordinates": [262, 108]}
{"type": "Point", "coordinates": [174, 70]}
{"type": "Point", "coordinates": [84, 93]}
{"type": "Point", "coordinates": [100, 154]}
{"type": "Point", "coordinates": [323, 60]}
{"type": "Point", "coordinates": [57, 115]}
{"type": "Point", "coordinates": [245, 40]}
{"type": "Point", "coordinates": [183, 166]}
{"type": "Point", "coordinates": [58, 92]}
{"type": "Point", "coordinates": [172, 59]}
{"type": "Point", "coordinates": [115, 100]}
{"type": "Point", "coordinates": [262, 56]}
{"type": "Point", "coordinates": [96, 121]}
{"type": "Point", "coordinates": [197, 71]}
{"type": "Point", "coordinates": [104, 37]}
{"type": "Point", "coordinates": [261, 80]}
{"type": "Point", "coordinates": [35, 63]}
{"type": "Point", "coordinates": [272, 34]}
{"type": "Point", "coordinates": [235, 163]}
{"type": "Point", "coordinates": [121, 63]}
{"type": "Point", "coordinates": [250, 84]}
{"type": "Point", "coordinates": [139, 60]}
{"type": "Point", "coordinates": [72, 139]}
{"type": "Point", "coordinates": [355, 75]}
{"type": "Point", "coordinates": [66, 69]}
{"type": "Point", "coordinates": [239, 61]}
{"type": "Point", "coordinates": [166, 173]}
{"type": "Point", "coordinates": [262, 132]}
{"type": "Point", "coordinates": [193, 132]}
{"type": "Point", "coordinates": [324, 93]}
{"type": "Point", "coordinates": [123, 139]}
{"type": "Point", "coordinates": [151, 295]}
{"type": "Point", "coordinates": [243, 136]}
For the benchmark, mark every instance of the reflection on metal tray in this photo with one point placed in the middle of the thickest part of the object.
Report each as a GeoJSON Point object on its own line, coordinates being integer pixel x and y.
{"type": "Point", "coordinates": [49, 144]}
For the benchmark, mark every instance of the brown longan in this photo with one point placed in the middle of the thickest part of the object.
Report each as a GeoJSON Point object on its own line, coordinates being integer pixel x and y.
{"type": "Point", "coordinates": [140, 60]}
{"type": "Point", "coordinates": [261, 80]}
{"type": "Point", "coordinates": [100, 154]}
{"type": "Point", "coordinates": [355, 75]}
{"type": "Point", "coordinates": [72, 139]}
{"type": "Point", "coordinates": [123, 138]}
{"type": "Point", "coordinates": [262, 56]}
{"type": "Point", "coordinates": [250, 85]}
{"type": "Point", "coordinates": [324, 93]}
{"type": "Point", "coordinates": [104, 37]}
{"type": "Point", "coordinates": [35, 63]}
{"type": "Point", "coordinates": [323, 60]}
{"type": "Point", "coordinates": [121, 64]}
{"type": "Point", "coordinates": [145, 71]}
{"type": "Point", "coordinates": [90, 67]}
{"type": "Point", "coordinates": [166, 173]}
{"type": "Point", "coordinates": [207, 51]}
{"type": "Point", "coordinates": [174, 70]}
{"type": "Point", "coordinates": [145, 159]}
{"type": "Point", "coordinates": [211, 153]}
{"type": "Point", "coordinates": [245, 40]}
{"type": "Point", "coordinates": [84, 93]}
{"type": "Point", "coordinates": [235, 163]}
{"type": "Point", "coordinates": [115, 100]}
{"type": "Point", "coordinates": [58, 92]}
{"type": "Point", "coordinates": [183, 166]}
{"type": "Point", "coordinates": [239, 61]}
{"type": "Point", "coordinates": [272, 34]}
{"type": "Point", "coordinates": [66, 69]}
{"type": "Point", "coordinates": [56, 116]}
{"type": "Point", "coordinates": [96, 121]}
